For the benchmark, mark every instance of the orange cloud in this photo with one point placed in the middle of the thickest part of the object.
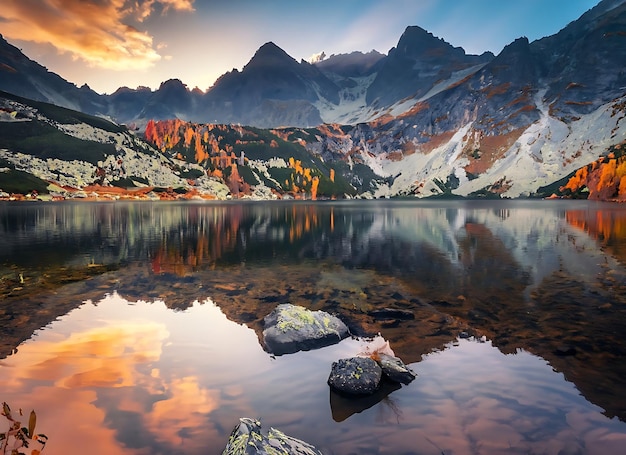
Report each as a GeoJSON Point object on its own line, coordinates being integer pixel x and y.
{"type": "Point", "coordinates": [100, 33]}
{"type": "Point", "coordinates": [143, 9]}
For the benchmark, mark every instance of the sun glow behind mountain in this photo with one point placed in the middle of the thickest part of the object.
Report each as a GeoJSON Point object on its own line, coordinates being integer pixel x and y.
{"type": "Point", "coordinates": [113, 43]}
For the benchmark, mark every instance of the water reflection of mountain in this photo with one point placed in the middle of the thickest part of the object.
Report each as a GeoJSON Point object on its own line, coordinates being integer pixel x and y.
{"type": "Point", "coordinates": [528, 275]}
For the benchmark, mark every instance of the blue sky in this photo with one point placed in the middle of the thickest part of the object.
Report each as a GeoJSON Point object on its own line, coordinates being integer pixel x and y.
{"type": "Point", "coordinates": [113, 43]}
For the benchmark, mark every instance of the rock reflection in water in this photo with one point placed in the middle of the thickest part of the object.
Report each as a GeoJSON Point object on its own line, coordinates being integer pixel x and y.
{"type": "Point", "coordinates": [342, 407]}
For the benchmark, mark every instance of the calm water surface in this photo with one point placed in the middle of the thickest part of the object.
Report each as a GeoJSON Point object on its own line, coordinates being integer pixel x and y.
{"type": "Point", "coordinates": [135, 328]}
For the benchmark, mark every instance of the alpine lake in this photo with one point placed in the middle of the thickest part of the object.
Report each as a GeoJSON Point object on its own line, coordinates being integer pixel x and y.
{"type": "Point", "coordinates": [136, 327]}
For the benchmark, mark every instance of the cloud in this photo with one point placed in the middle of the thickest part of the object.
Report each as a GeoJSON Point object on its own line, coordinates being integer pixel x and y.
{"type": "Point", "coordinates": [101, 33]}
{"type": "Point", "coordinates": [142, 9]}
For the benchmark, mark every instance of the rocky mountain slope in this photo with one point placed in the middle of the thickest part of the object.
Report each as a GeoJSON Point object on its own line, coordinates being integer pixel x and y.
{"type": "Point", "coordinates": [54, 151]}
{"type": "Point", "coordinates": [22, 76]}
{"type": "Point", "coordinates": [426, 119]}
{"type": "Point", "coordinates": [272, 90]}
{"type": "Point", "coordinates": [48, 149]}
{"type": "Point", "coordinates": [529, 117]}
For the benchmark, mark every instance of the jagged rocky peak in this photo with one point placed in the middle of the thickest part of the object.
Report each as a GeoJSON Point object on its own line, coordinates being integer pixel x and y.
{"type": "Point", "coordinates": [416, 42]}
{"type": "Point", "coordinates": [584, 61]}
{"type": "Point", "coordinates": [172, 84]}
{"type": "Point", "coordinates": [270, 55]}
{"type": "Point", "coordinates": [171, 89]}
{"type": "Point", "coordinates": [415, 65]}
{"type": "Point", "coordinates": [124, 89]}
{"type": "Point", "coordinates": [171, 100]}
{"type": "Point", "coordinates": [516, 64]}
{"type": "Point", "coordinates": [601, 8]}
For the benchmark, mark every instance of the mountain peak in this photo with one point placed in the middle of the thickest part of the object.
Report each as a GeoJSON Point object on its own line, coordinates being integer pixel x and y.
{"type": "Point", "coordinates": [269, 47]}
{"type": "Point", "coordinates": [271, 50]}
{"type": "Point", "coordinates": [416, 42]}
{"type": "Point", "coordinates": [270, 55]}
{"type": "Point", "coordinates": [172, 84]}
{"type": "Point", "coordinates": [415, 30]}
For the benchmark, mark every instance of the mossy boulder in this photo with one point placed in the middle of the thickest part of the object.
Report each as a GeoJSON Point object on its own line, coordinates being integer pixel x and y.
{"type": "Point", "coordinates": [355, 376]}
{"type": "Point", "coordinates": [291, 328]}
{"type": "Point", "coordinates": [247, 439]}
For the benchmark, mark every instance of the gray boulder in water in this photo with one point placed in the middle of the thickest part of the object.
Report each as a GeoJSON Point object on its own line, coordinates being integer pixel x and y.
{"type": "Point", "coordinates": [291, 328]}
{"type": "Point", "coordinates": [395, 369]}
{"type": "Point", "coordinates": [247, 439]}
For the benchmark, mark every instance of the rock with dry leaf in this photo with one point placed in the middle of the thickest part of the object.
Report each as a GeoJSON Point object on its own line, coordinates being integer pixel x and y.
{"type": "Point", "coordinates": [361, 375]}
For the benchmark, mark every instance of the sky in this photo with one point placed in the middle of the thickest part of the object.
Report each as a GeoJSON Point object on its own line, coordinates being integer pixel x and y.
{"type": "Point", "coordinates": [108, 44]}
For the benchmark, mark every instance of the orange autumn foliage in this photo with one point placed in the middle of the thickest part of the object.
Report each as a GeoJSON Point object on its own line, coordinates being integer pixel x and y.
{"type": "Point", "coordinates": [211, 146]}
{"type": "Point", "coordinates": [189, 133]}
{"type": "Point", "coordinates": [314, 185]}
{"type": "Point", "coordinates": [303, 180]}
{"type": "Point", "coordinates": [166, 134]}
{"type": "Point", "coordinates": [605, 178]}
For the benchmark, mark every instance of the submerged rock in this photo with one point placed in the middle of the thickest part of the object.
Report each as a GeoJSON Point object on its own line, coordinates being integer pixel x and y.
{"type": "Point", "coordinates": [565, 350]}
{"type": "Point", "coordinates": [290, 328]}
{"type": "Point", "coordinates": [247, 439]}
{"type": "Point", "coordinates": [355, 376]}
{"type": "Point", "coordinates": [392, 313]}
{"type": "Point", "coordinates": [395, 369]}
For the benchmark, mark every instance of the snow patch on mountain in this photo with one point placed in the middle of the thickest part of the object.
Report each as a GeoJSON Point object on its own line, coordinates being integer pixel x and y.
{"type": "Point", "coordinates": [352, 107]}
{"type": "Point", "coordinates": [415, 173]}
{"type": "Point", "coordinates": [405, 105]}
{"type": "Point", "coordinates": [316, 58]}
{"type": "Point", "coordinates": [549, 150]}
{"type": "Point", "coordinates": [545, 152]}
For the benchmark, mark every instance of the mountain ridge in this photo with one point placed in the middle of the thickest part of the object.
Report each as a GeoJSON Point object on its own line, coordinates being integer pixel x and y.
{"type": "Point", "coordinates": [438, 121]}
{"type": "Point", "coordinates": [304, 97]}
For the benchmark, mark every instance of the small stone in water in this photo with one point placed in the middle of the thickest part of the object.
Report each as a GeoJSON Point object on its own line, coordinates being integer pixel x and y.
{"type": "Point", "coordinates": [355, 376]}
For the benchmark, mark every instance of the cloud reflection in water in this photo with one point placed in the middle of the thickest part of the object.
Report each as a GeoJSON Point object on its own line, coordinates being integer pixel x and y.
{"type": "Point", "coordinates": [98, 380]}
